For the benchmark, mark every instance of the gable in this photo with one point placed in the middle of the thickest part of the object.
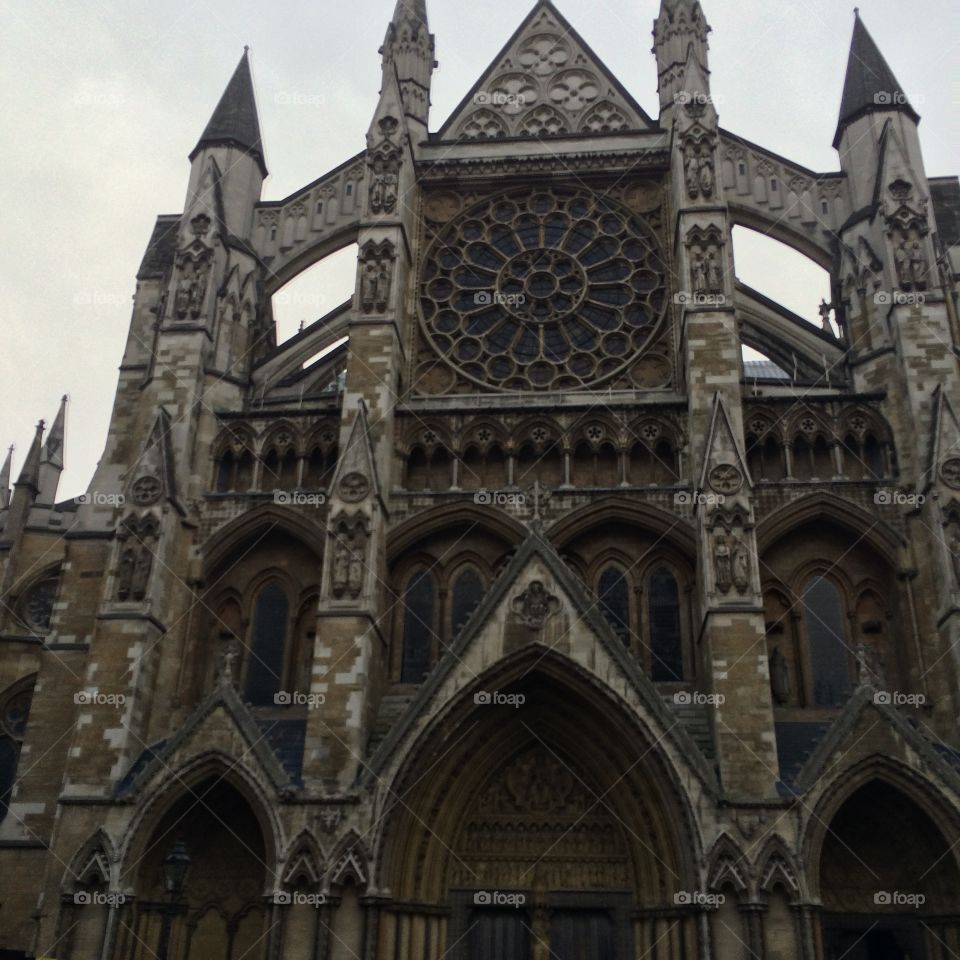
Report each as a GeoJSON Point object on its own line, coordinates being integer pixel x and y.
{"type": "Point", "coordinates": [545, 82]}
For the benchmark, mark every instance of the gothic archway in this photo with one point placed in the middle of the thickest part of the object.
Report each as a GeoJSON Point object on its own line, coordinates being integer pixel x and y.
{"type": "Point", "coordinates": [888, 878]}
{"type": "Point", "coordinates": [221, 910]}
{"type": "Point", "coordinates": [535, 839]}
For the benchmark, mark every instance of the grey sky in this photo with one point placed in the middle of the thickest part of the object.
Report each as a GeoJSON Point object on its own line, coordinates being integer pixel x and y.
{"type": "Point", "coordinates": [102, 102]}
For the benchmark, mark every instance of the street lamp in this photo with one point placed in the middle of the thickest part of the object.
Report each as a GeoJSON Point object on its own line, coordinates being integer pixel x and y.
{"type": "Point", "coordinates": [175, 867]}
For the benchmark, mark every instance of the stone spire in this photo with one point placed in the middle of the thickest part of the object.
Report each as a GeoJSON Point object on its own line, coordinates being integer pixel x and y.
{"type": "Point", "coordinates": [51, 458]}
{"type": "Point", "coordinates": [30, 473]}
{"type": "Point", "coordinates": [5, 480]}
{"type": "Point", "coordinates": [235, 121]}
{"type": "Point", "coordinates": [408, 48]}
{"type": "Point", "coordinates": [870, 85]}
{"type": "Point", "coordinates": [679, 32]}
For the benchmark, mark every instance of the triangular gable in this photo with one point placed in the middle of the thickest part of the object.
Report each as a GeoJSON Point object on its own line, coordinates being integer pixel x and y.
{"type": "Point", "coordinates": [153, 476]}
{"type": "Point", "coordinates": [722, 449]}
{"type": "Point", "coordinates": [222, 700]}
{"type": "Point", "coordinates": [545, 82]}
{"type": "Point", "coordinates": [535, 606]}
{"type": "Point", "coordinates": [944, 441]}
{"type": "Point", "coordinates": [357, 457]}
{"type": "Point", "coordinates": [846, 736]}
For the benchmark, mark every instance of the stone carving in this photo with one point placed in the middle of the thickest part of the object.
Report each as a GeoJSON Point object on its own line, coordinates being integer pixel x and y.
{"type": "Point", "coordinates": [330, 818]}
{"type": "Point", "coordinates": [146, 491]}
{"type": "Point", "coordinates": [706, 260]}
{"type": "Point", "coordinates": [726, 478]}
{"type": "Point", "coordinates": [544, 54]}
{"type": "Point", "coordinates": [227, 668]}
{"type": "Point", "coordinates": [780, 682]}
{"type": "Point", "coordinates": [385, 183]}
{"type": "Point", "coordinates": [741, 568]}
{"type": "Point", "coordinates": [574, 90]}
{"type": "Point", "coordinates": [535, 606]}
{"type": "Point", "coordinates": [483, 125]}
{"type": "Point", "coordinates": [543, 121]}
{"type": "Point", "coordinates": [698, 166]}
{"type": "Point", "coordinates": [192, 287]}
{"type": "Point", "coordinates": [870, 669]}
{"type": "Point", "coordinates": [349, 542]}
{"type": "Point", "coordinates": [722, 564]}
{"type": "Point", "coordinates": [950, 472]}
{"type": "Point", "coordinates": [38, 605]}
{"type": "Point", "coordinates": [605, 117]}
{"type": "Point", "coordinates": [136, 556]}
{"type": "Point", "coordinates": [354, 487]}
{"type": "Point", "coordinates": [911, 262]}
{"type": "Point", "coordinates": [376, 277]}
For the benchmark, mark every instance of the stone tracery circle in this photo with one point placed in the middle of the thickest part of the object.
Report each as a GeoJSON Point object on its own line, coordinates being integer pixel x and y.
{"type": "Point", "coordinates": [543, 289]}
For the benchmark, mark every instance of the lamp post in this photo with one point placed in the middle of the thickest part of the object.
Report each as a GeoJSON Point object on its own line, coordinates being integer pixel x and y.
{"type": "Point", "coordinates": [175, 867]}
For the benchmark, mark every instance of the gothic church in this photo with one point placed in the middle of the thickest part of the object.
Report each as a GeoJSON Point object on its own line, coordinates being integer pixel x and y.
{"type": "Point", "coordinates": [506, 612]}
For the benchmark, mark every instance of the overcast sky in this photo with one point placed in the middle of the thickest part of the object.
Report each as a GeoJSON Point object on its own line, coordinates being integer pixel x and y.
{"type": "Point", "coordinates": [102, 102]}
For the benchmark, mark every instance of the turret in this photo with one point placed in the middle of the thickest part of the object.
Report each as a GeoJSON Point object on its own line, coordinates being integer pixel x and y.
{"type": "Point", "coordinates": [679, 32]}
{"type": "Point", "coordinates": [51, 458]}
{"type": "Point", "coordinates": [408, 52]}
{"type": "Point", "coordinates": [232, 140]}
{"type": "Point", "coordinates": [26, 488]}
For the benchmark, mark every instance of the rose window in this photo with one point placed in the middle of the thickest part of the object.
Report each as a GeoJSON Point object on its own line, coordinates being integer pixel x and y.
{"type": "Point", "coordinates": [546, 290]}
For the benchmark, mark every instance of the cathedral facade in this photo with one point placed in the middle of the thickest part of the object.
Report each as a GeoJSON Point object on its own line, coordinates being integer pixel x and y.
{"type": "Point", "coordinates": [506, 612]}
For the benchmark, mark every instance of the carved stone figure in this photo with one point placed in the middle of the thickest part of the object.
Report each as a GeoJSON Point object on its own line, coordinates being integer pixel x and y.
{"type": "Point", "coordinates": [701, 281]}
{"type": "Point", "coordinates": [128, 562]}
{"type": "Point", "coordinates": [535, 606]}
{"type": "Point", "coordinates": [902, 258]}
{"type": "Point", "coordinates": [376, 277]}
{"type": "Point", "coordinates": [870, 670]}
{"type": "Point", "coordinates": [741, 568]}
{"type": "Point", "coordinates": [706, 176]}
{"type": "Point", "coordinates": [355, 574]}
{"type": "Point", "coordinates": [918, 266]}
{"type": "Point", "coordinates": [141, 572]}
{"type": "Point", "coordinates": [384, 186]}
{"type": "Point", "coordinates": [691, 168]}
{"type": "Point", "coordinates": [229, 655]}
{"type": "Point", "coordinates": [368, 286]}
{"type": "Point", "coordinates": [341, 568]}
{"type": "Point", "coordinates": [349, 556]}
{"type": "Point", "coordinates": [722, 565]}
{"type": "Point", "coordinates": [714, 273]}
{"type": "Point", "coordinates": [780, 682]}
{"type": "Point", "coordinates": [192, 289]}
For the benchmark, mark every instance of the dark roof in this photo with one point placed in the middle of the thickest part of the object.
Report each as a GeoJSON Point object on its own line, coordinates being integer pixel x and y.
{"type": "Point", "coordinates": [795, 742]}
{"type": "Point", "coordinates": [945, 193]}
{"type": "Point", "coordinates": [286, 739]}
{"type": "Point", "coordinates": [160, 249]}
{"type": "Point", "coordinates": [235, 122]}
{"type": "Point", "coordinates": [870, 83]}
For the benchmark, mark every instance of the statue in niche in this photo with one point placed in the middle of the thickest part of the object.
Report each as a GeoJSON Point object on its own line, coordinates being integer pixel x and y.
{"type": "Point", "coordinates": [349, 556]}
{"type": "Point", "coordinates": [229, 655]}
{"type": "Point", "coordinates": [918, 266]}
{"type": "Point", "coordinates": [691, 166]}
{"type": "Point", "coordinates": [701, 280]}
{"type": "Point", "coordinates": [722, 565]}
{"type": "Point", "coordinates": [192, 288]}
{"type": "Point", "coordinates": [869, 666]}
{"type": "Point", "coordinates": [741, 568]}
{"type": "Point", "coordinates": [341, 568]}
{"type": "Point", "coordinates": [141, 572]}
{"type": "Point", "coordinates": [355, 571]}
{"type": "Point", "coordinates": [128, 562]}
{"type": "Point", "coordinates": [902, 258]}
{"type": "Point", "coordinates": [714, 273]}
{"type": "Point", "coordinates": [385, 185]}
{"type": "Point", "coordinates": [368, 286]}
{"type": "Point", "coordinates": [706, 176]}
{"type": "Point", "coordinates": [383, 287]}
{"type": "Point", "coordinates": [376, 277]}
{"type": "Point", "coordinates": [780, 684]}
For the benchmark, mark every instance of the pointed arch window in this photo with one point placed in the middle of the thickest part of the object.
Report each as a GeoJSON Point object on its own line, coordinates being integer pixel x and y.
{"type": "Point", "coordinates": [267, 647]}
{"type": "Point", "coordinates": [14, 713]}
{"type": "Point", "coordinates": [824, 619]}
{"type": "Point", "coordinates": [666, 638]}
{"type": "Point", "coordinates": [467, 594]}
{"type": "Point", "coordinates": [419, 604]}
{"type": "Point", "coordinates": [613, 592]}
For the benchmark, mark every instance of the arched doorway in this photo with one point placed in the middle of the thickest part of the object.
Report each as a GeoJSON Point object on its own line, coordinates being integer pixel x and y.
{"type": "Point", "coordinates": [889, 881]}
{"type": "Point", "coordinates": [536, 823]}
{"type": "Point", "coordinates": [220, 912]}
